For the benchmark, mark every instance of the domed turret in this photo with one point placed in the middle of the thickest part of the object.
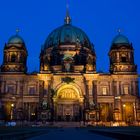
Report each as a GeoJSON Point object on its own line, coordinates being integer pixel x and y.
{"type": "Point", "coordinates": [120, 39]}
{"type": "Point", "coordinates": [67, 40]}
{"type": "Point", "coordinates": [15, 55]}
{"type": "Point", "coordinates": [16, 39]}
{"type": "Point", "coordinates": [122, 56]}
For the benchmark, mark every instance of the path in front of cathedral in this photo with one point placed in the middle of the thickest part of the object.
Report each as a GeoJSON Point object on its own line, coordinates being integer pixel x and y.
{"type": "Point", "coordinates": [70, 134]}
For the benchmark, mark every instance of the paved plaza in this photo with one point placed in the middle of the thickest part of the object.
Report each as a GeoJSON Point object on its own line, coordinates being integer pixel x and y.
{"type": "Point", "coordinates": [70, 134]}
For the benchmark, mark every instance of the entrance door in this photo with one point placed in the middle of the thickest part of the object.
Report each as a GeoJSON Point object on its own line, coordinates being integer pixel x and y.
{"type": "Point", "coordinates": [67, 103]}
{"type": "Point", "coordinates": [68, 112]}
{"type": "Point", "coordinates": [68, 117]}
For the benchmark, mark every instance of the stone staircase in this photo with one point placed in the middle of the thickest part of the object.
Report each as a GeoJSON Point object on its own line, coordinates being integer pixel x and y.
{"type": "Point", "coordinates": [67, 124]}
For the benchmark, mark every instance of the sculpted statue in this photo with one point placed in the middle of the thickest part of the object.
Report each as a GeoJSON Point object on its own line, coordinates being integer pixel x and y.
{"type": "Point", "coordinates": [44, 105]}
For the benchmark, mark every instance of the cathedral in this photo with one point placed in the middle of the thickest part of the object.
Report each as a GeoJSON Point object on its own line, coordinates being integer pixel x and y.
{"type": "Point", "coordinates": [68, 88]}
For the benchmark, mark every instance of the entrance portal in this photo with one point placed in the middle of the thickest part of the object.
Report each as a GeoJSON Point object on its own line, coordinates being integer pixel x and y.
{"type": "Point", "coordinates": [68, 117]}
{"type": "Point", "coordinates": [67, 103]}
{"type": "Point", "coordinates": [68, 111]}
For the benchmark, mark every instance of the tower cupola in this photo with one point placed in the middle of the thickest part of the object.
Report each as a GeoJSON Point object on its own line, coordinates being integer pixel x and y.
{"type": "Point", "coordinates": [122, 56]}
{"type": "Point", "coordinates": [15, 55]}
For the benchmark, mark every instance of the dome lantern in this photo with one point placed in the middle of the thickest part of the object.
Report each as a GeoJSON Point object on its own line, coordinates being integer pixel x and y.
{"type": "Point", "coordinates": [67, 18]}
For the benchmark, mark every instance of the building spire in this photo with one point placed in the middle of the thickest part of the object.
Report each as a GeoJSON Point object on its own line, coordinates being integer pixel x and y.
{"type": "Point", "coordinates": [67, 18]}
{"type": "Point", "coordinates": [17, 31]}
{"type": "Point", "coordinates": [119, 31]}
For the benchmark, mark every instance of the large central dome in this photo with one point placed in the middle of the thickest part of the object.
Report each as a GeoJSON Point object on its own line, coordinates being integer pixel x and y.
{"type": "Point", "coordinates": [67, 34]}
{"type": "Point", "coordinates": [67, 49]}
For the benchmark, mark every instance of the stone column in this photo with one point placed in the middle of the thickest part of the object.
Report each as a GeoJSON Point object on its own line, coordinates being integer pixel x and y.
{"type": "Point", "coordinates": [29, 112]}
{"type": "Point", "coordinates": [49, 94]}
{"type": "Point", "coordinates": [81, 112]}
{"type": "Point", "coordinates": [137, 88]}
{"type": "Point", "coordinates": [4, 86]}
{"type": "Point", "coordinates": [86, 96]}
{"type": "Point", "coordinates": [118, 57]}
{"type": "Point", "coordinates": [90, 91]}
{"type": "Point", "coordinates": [90, 88]}
{"type": "Point", "coordinates": [111, 111]}
{"type": "Point", "coordinates": [117, 108]}
{"type": "Point", "coordinates": [130, 88]}
{"type": "Point", "coordinates": [111, 85]}
{"type": "Point", "coordinates": [37, 87]}
{"type": "Point", "coordinates": [118, 88]}
{"type": "Point", "coordinates": [17, 87]}
{"type": "Point", "coordinates": [41, 91]}
{"type": "Point", "coordinates": [135, 112]}
{"type": "Point", "coordinates": [18, 57]}
{"type": "Point", "coordinates": [99, 106]}
{"type": "Point", "coordinates": [26, 87]}
{"type": "Point", "coordinates": [55, 112]}
{"type": "Point", "coordinates": [134, 88]}
{"type": "Point", "coordinates": [95, 92]}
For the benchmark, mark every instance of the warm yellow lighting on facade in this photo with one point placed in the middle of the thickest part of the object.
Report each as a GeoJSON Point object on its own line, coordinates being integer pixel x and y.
{"type": "Point", "coordinates": [117, 97]}
{"type": "Point", "coordinates": [124, 105]}
{"type": "Point", "coordinates": [33, 114]}
{"type": "Point", "coordinates": [12, 105]}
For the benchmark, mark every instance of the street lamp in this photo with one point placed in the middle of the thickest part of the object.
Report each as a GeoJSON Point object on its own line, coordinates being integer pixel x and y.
{"type": "Point", "coordinates": [124, 111]}
{"type": "Point", "coordinates": [12, 109]}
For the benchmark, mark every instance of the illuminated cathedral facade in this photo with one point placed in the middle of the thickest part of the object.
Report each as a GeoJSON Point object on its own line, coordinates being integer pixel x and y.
{"type": "Point", "coordinates": [68, 87]}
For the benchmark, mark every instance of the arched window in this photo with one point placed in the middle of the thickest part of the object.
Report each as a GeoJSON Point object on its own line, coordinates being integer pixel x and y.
{"type": "Point", "coordinates": [13, 58]}
{"type": "Point", "coordinates": [11, 89]}
{"type": "Point", "coordinates": [104, 90]}
{"type": "Point", "coordinates": [123, 58]}
{"type": "Point", "coordinates": [31, 90]}
{"type": "Point", "coordinates": [126, 89]}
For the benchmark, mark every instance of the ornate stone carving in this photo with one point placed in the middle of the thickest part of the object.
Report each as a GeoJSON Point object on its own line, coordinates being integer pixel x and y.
{"type": "Point", "coordinates": [68, 93]}
{"type": "Point", "coordinates": [68, 80]}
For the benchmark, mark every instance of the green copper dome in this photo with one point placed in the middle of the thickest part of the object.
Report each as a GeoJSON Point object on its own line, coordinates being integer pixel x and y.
{"type": "Point", "coordinates": [120, 39]}
{"type": "Point", "coordinates": [16, 39]}
{"type": "Point", "coordinates": [67, 34]}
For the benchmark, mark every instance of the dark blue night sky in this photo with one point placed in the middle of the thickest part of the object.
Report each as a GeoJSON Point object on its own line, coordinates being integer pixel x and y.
{"type": "Point", "coordinates": [100, 19]}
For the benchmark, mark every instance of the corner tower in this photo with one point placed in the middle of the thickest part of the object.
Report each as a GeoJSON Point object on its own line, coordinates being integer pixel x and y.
{"type": "Point", "coordinates": [15, 56]}
{"type": "Point", "coordinates": [122, 56]}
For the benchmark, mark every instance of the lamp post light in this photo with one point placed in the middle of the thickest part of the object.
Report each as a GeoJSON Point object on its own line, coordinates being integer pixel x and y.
{"type": "Point", "coordinates": [124, 112]}
{"type": "Point", "coordinates": [12, 109]}
{"type": "Point", "coordinates": [135, 113]}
